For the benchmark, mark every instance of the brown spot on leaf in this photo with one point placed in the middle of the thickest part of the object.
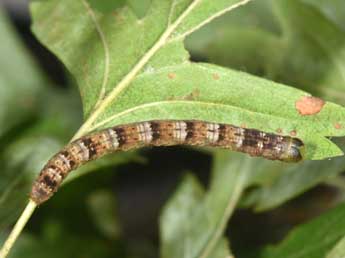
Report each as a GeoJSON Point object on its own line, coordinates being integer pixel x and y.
{"type": "Point", "coordinates": [216, 76]}
{"type": "Point", "coordinates": [279, 130]}
{"type": "Point", "coordinates": [308, 105]}
{"type": "Point", "coordinates": [293, 133]}
{"type": "Point", "coordinates": [172, 75]}
{"type": "Point", "coordinates": [337, 126]}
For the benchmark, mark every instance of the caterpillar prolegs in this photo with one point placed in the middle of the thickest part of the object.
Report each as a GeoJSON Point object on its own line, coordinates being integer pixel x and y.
{"type": "Point", "coordinates": [161, 133]}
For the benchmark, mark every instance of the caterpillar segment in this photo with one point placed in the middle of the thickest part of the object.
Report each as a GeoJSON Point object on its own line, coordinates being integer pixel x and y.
{"type": "Point", "coordinates": [161, 133]}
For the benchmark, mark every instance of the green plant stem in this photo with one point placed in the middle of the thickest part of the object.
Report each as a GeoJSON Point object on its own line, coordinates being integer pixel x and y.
{"type": "Point", "coordinates": [23, 219]}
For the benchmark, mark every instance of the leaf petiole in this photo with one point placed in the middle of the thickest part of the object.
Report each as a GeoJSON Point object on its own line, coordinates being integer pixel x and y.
{"type": "Point", "coordinates": [23, 219]}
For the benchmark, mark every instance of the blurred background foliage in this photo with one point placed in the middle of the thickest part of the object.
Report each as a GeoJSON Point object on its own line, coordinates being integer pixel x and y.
{"type": "Point", "coordinates": [114, 211]}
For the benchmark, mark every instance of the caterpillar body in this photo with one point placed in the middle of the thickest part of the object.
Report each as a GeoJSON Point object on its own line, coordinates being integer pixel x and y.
{"type": "Point", "coordinates": [161, 133]}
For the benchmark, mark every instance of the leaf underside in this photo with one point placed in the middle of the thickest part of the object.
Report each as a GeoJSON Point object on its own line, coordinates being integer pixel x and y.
{"type": "Point", "coordinates": [131, 69]}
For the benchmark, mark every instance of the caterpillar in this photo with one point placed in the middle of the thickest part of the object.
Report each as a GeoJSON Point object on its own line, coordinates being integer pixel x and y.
{"type": "Point", "coordinates": [161, 133]}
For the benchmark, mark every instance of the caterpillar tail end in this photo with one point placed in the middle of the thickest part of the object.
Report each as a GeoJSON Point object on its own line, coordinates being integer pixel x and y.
{"type": "Point", "coordinates": [40, 194]}
{"type": "Point", "coordinates": [295, 151]}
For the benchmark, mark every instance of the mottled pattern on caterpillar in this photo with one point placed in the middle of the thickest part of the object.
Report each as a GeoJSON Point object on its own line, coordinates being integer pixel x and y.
{"type": "Point", "coordinates": [161, 133]}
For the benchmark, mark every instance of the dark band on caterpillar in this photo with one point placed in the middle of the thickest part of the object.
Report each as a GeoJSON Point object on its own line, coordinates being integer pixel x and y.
{"type": "Point", "coordinates": [155, 131]}
{"type": "Point", "coordinates": [190, 130]}
{"type": "Point", "coordinates": [161, 133]}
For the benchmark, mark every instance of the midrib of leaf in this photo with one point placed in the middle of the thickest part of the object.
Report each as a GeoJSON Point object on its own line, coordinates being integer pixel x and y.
{"type": "Point", "coordinates": [101, 105]}
{"type": "Point", "coordinates": [136, 69]}
{"type": "Point", "coordinates": [233, 200]}
{"type": "Point", "coordinates": [106, 51]}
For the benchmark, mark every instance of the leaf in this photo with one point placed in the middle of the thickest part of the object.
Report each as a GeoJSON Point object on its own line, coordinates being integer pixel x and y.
{"type": "Point", "coordinates": [51, 241]}
{"type": "Point", "coordinates": [191, 209]}
{"type": "Point", "coordinates": [275, 183]}
{"type": "Point", "coordinates": [249, 41]}
{"type": "Point", "coordinates": [20, 164]}
{"type": "Point", "coordinates": [319, 38]}
{"type": "Point", "coordinates": [332, 9]}
{"type": "Point", "coordinates": [313, 239]}
{"type": "Point", "coordinates": [107, 35]}
{"type": "Point", "coordinates": [289, 182]}
{"type": "Point", "coordinates": [102, 206]}
{"type": "Point", "coordinates": [338, 251]}
{"type": "Point", "coordinates": [308, 53]}
{"type": "Point", "coordinates": [258, 15]}
{"type": "Point", "coordinates": [253, 50]}
{"type": "Point", "coordinates": [18, 90]}
{"type": "Point", "coordinates": [137, 69]}
{"type": "Point", "coordinates": [193, 222]}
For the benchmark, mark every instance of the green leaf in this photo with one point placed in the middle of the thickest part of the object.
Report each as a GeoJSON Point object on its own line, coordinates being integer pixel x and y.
{"type": "Point", "coordinates": [250, 41]}
{"type": "Point", "coordinates": [308, 53]}
{"type": "Point", "coordinates": [20, 165]}
{"type": "Point", "coordinates": [338, 251]}
{"type": "Point", "coordinates": [332, 9]}
{"type": "Point", "coordinates": [319, 39]}
{"type": "Point", "coordinates": [131, 69]}
{"type": "Point", "coordinates": [19, 91]}
{"type": "Point", "coordinates": [193, 222]}
{"type": "Point", "coordinates": [57, 241]}
{"type": "Point", "coordinates": [21, 162]}
{"type": "Point", "coordinates": [192, 208]}
{"type": "Point", "coordinates": [102, 206]}
{"type": "Point", "coordinates": [313, 239]}
{"type": "Point", "coordinates": [275, 183]}
{"type": "Point", "coordinates": [104, 38]}
{"type": "Point", "coordinates": [282, 183]}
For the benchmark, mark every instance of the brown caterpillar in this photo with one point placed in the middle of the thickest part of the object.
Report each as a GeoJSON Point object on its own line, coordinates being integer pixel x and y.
{"type": "Point", "coordinates": [161, 133]}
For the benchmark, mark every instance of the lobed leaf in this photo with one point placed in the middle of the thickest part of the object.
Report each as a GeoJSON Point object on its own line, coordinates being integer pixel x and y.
{"type": "Point", "coordinates": [131, 69]}
{"type": "Point", "coordinates": [104, 38]}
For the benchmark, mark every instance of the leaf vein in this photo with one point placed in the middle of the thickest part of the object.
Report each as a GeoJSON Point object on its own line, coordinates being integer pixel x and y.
{"type": "Point", "coordinates": [233, 199]}
{"type": "Point", "coordinates": [228, 9]}
{"type": "Point", "coordinates": [106, 52]}
{"type": "Point", "coordinates": [125, 82]}
{"type": "Point", "coordinates": [172, 9]}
